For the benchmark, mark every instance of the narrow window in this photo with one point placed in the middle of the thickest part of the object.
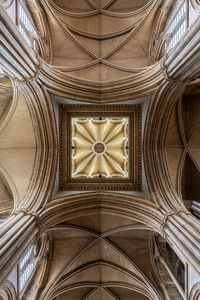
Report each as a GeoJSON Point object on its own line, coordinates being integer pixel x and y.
{"type": "Point", "coordinates": [176, 26]}
{"type": "Point", "coordinates": [25, 268]}
{"type": "Point", "coordinates": [24, 24]}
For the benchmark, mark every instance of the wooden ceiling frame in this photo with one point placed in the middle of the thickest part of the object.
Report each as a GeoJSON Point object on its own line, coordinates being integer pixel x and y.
{"type": "Point", "coordinates": [134, 113]}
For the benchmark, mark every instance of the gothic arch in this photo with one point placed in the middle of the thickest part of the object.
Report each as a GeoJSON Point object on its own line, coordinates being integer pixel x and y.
{"type": "Point", "coordinates": [135, 208]}
{"type": "Point", "coordinates": [195, 292]}
{"type": "Point", "coordinates": [7, 291]}
{"type": "Point", "coordinates": [8, 89]}
{"type": "Point", "coordinates": [157, 122]}
{"type": "Point", "coordinates": [98, 243]}
{"type": "Point", "coordinates": [195, 4]}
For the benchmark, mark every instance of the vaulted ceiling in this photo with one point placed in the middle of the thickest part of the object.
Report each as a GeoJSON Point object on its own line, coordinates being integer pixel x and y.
{"type": "Point", "coordinates": [96, 258]}
{"type": "Point", "coordinates": [95, 43]}
{"type": "Point", "coordinates": [101, 244]}
{"type": "Point", "coordinates": [100, 40]}
{"type": "Point", "coordinates": [182, 146]}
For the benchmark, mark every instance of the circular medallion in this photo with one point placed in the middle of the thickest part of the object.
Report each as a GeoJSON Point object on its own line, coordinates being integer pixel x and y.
{"type": "Point", "coordinates": [99, 148]}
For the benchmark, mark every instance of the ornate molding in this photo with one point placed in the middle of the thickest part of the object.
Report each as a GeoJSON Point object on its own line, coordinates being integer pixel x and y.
{"type": "Point", "coordinates": [134, 180]}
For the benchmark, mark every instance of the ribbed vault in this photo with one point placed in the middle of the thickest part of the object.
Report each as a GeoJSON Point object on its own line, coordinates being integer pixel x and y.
{"type": "Point", "coordinates": [101, 256]}
{"type": "Point", "coordinates": [182, 147]}
{"type": "Point", "coordinates": [17, 141]}
{"type": "Point", "coordinates": [106, 37]}
{"type": "Point", "coordinates": [101, 46]}
{"type": "Point", "coordinates": [97, 244]}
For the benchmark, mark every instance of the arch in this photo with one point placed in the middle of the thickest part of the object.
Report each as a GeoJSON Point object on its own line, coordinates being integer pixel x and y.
{"type": "Point", "coordinates": [9, 90]}
{"type": "Point", "coordinates": [90, 243]}
{"type": "Point", "coordinates": [74, 88]}
{"type": "Point", "coordinates": [195, 4]}
{"type": "Point", "coordinates": [119, 277]}
{"type": "Point", "coordinates": [105, 286]}
{"type": "Point", "coordinates": [155, 161]}
{"type": "Point", "coordinates": [195, 292]}
{"type": "Point", "coordinates": [130, 207]}
{"type": "Point", "coordinates": [7, 291]}
{"type": "Point", "coordinates": [7, 3]}
{"type": "Point", "coordinates": [7, 185]}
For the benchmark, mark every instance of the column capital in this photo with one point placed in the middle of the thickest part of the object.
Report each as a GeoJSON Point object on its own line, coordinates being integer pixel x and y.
{"type": "Point", "coordinates": [27, 212]}
{"type": "Point", "coordinates": [170, 215]}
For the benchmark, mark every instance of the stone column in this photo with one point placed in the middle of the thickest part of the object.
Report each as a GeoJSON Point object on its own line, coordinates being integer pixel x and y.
{"type": "Point", "coordinates": [15, 236]}
{"type": "Point", "coordinates": [182, 231]}
{"type": "Point", "coordinates": [196, 209]}
{"type": "Point", "coordinates": [183, 62]}
{"type": "Point", "coordinates": [18, 60]}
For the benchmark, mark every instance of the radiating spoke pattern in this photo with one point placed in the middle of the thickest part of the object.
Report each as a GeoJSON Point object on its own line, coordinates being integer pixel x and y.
{"type": "Point", "coordinates": [100, 147]}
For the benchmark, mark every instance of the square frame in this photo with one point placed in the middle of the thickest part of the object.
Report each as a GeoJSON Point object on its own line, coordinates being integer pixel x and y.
{"type": "Point", "coordinates": [134, 113]}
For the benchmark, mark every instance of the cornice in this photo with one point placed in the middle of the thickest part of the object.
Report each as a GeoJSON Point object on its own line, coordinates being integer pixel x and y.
{"type": "Point", "coordinates": [134, 113]}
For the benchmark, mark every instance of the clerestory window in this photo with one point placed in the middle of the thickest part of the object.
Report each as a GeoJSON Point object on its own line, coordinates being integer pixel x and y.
{"type": "Point", "coordinates": [2, 74]}
{"type": "Point", "coordinates": [24, 25]}
{"type": "Point", "coordinates": [177, 24]}
{"type": "Point", "coordinates": [26, 267]}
